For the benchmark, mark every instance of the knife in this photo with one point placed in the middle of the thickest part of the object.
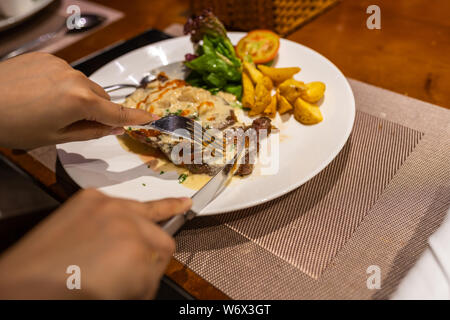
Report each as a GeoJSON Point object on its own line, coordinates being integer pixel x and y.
{"type": "Point", "coordinates": [205, 195]}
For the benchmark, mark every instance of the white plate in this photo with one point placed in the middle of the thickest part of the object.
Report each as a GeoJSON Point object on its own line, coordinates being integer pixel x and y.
{"type": "Point", "coordinates": [304, 150]}
{"type": "Point", "coordinates": [9, 22]}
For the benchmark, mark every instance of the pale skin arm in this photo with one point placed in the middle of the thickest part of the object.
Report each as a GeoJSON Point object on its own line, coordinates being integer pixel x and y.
{"type": "Point", "coordinates": [44, 101]}
{"type": "Point", "coordinates": [121, 251]}
{"type": "Point", "coordinates": [118, 245]}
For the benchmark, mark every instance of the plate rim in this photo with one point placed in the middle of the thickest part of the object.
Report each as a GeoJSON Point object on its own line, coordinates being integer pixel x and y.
{"type": "Point", "coordinates": [293, 186]}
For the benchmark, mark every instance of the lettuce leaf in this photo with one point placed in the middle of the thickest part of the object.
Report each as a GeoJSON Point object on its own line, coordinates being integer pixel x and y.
{"type": "Point", "coordinates": [214, 66]}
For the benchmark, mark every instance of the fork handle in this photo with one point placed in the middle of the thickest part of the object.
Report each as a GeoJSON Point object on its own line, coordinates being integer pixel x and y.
{"type": "Point", "coordinates": [115, 87]}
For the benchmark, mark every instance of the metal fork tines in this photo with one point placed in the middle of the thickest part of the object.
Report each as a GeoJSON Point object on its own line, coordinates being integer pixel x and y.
{"type": "Point", "coordinates": [202, 136]}
{"type": "Point", "coordinates": [186, 128]}
{"type": "Point", "coordinates": [174, 70]}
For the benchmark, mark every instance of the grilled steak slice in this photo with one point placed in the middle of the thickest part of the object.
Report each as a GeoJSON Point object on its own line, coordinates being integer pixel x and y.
{"type": "Point", "coordinates": [164, 96]}
{"type": "Point", "coordinates": [151, 137]}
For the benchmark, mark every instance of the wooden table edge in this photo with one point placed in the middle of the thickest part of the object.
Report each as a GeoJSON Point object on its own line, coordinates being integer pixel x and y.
{"type": "Point", "coordinates": [187, 279]}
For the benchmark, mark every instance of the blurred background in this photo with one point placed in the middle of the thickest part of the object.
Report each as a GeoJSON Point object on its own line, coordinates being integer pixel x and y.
{"type": "Point", "coordinates": [408, 55]}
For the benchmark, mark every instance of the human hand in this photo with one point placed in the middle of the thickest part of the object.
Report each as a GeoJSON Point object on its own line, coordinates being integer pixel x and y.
{"type": "Point", "coordinates": [45, 101]}
{"type": "Point", "coordinates": [121, 251]}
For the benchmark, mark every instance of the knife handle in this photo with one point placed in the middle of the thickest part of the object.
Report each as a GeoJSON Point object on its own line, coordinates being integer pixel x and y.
{"type": "Point", "coordinates": [175, 223]}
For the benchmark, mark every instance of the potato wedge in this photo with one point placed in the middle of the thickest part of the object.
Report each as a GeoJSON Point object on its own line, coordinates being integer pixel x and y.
{"type": "Point", "coordinates": [283, 105]}
{"type": "Point", "coordinates": [248, 96]}
{"type": "Point", "coordinates": [291, 89]}
{"type": "Point", "coordinates": [314, 91]}
{"type": "Point", "coordinates": [254, 73]}
{"type": "Point", "coordinates": [271, 109]}
{"type": "Point", "coordinates": [267, 83]}
{"type": "Point", "coordinates": [278, 75]}
{"type": "Point", "coordinates": [307, 113]}
{"type": "Point", "coordinates": [262, 99]}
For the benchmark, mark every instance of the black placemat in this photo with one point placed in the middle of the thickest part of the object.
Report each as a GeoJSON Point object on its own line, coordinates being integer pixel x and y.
{"type": "Point", "coordinates": [93, 62]}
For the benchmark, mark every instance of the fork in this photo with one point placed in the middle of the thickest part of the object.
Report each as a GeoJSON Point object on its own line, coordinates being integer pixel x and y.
{"type": "Point", "coordinates": [174, 70]}
{"type": "Point", "coordinates": [142, 84]}
{"type": "Point", "coordinates": [182, 127]}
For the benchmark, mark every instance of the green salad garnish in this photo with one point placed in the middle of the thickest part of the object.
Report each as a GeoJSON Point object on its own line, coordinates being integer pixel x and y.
{"type": "Point", "coordinates": [214, 65]}
{"type": "Point", "coordinates": [182, 178]}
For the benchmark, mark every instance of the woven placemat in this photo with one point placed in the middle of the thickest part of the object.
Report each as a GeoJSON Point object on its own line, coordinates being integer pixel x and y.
{"type": "Point", "coordinates": [308, 227]}
{"type": "Point", "coordinates": [375, 204]}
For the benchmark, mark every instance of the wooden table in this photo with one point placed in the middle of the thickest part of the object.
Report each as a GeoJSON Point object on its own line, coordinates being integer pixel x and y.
{"type": "Point", "coordinates": [409, 55]}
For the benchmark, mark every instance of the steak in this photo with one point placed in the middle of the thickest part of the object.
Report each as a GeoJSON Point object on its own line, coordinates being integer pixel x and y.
{"type": "Point", "coordinates": [216, 114]}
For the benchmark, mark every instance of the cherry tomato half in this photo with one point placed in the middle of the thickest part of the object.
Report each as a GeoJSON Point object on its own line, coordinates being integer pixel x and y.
{"type": "Point", "coordinates": [261, 45]}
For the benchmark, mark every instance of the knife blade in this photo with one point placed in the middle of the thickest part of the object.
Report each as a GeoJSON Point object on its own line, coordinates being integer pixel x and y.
{"type": "Point", "coordinates": [205, 195]}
